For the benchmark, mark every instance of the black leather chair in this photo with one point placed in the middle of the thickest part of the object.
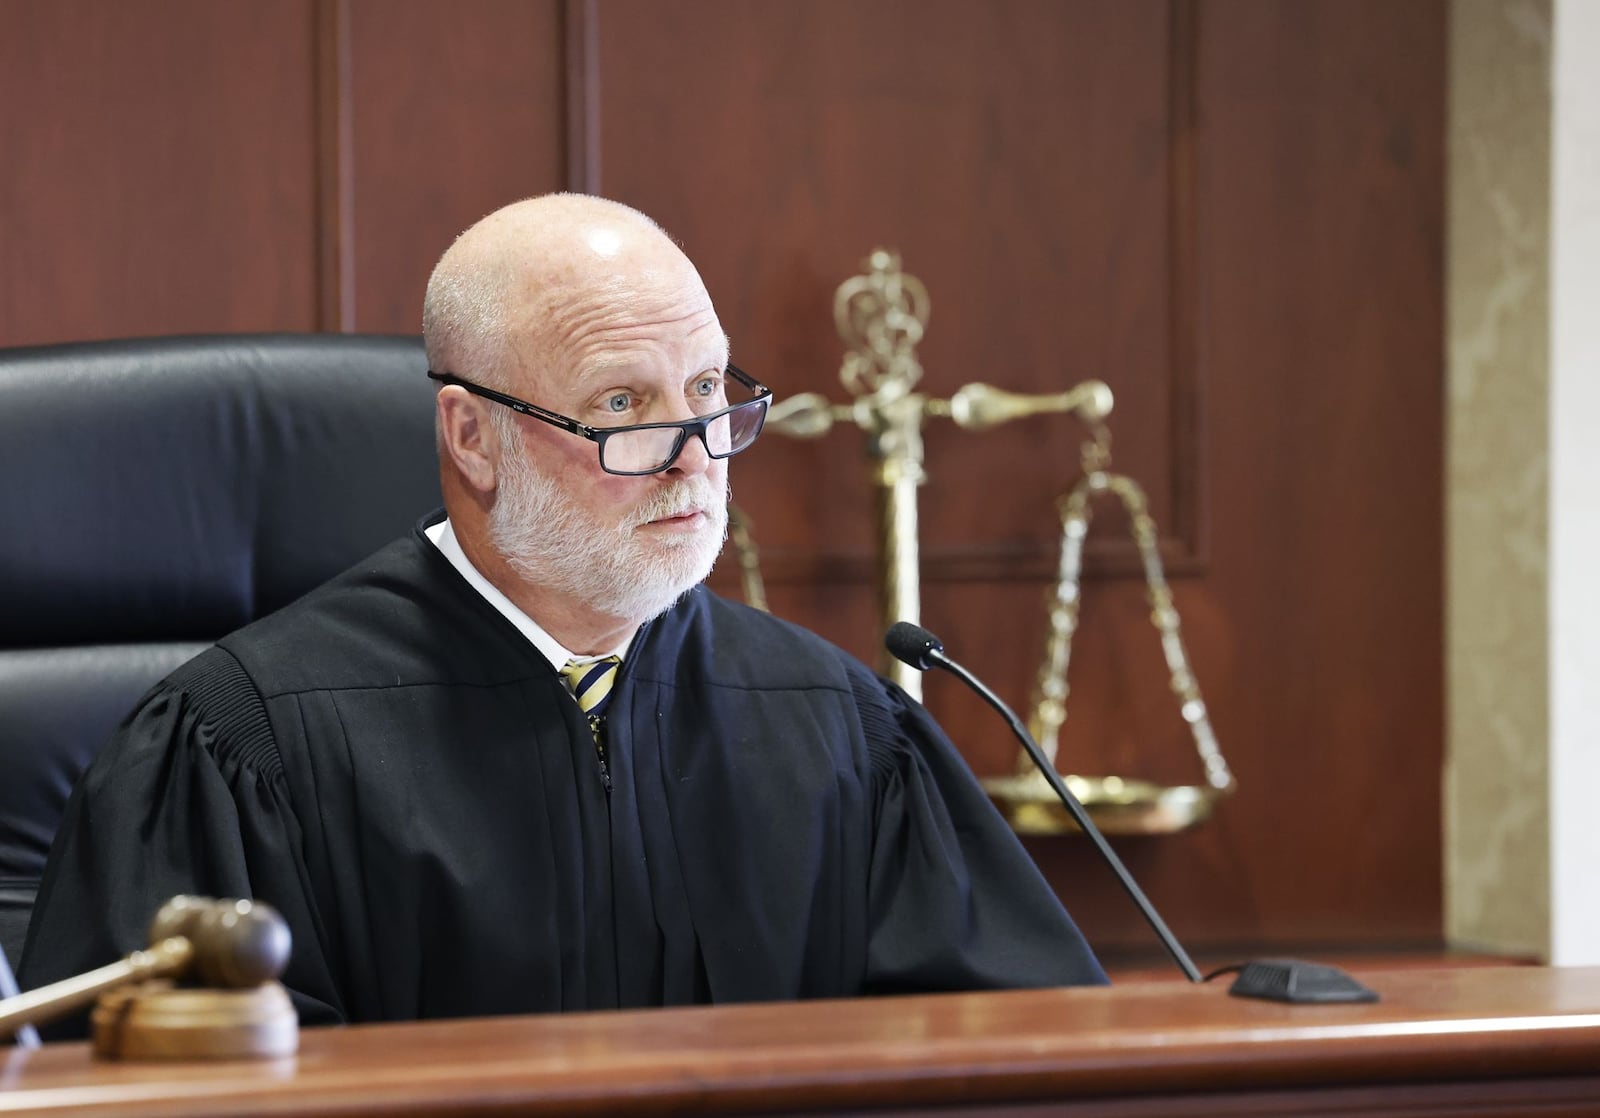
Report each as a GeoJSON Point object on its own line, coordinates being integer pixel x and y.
{"type": "Point", "coordinates": [157, 494]}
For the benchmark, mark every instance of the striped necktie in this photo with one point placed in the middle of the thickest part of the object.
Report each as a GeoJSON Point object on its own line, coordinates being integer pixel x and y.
{"type": "Point", "coordinates": [591, 684]}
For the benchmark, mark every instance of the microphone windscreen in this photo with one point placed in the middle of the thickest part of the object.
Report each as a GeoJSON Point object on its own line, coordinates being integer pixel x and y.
{"type": "Point", "coordinates": [912, 644]}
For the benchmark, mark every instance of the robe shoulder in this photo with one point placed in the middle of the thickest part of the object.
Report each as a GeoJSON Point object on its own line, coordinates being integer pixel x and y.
{"type": "Point", "coordinates": [189, 797]}
{"type": "Point", "coordinates": [727, 644]}
{"type": "Point", "coordinates": [953, 900]}
{"type": "Point", "coordinates": [402, 617]}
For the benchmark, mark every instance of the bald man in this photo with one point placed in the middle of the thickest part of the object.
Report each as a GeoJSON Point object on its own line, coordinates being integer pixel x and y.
{"type": "Point", "coordinates": [521, 760]}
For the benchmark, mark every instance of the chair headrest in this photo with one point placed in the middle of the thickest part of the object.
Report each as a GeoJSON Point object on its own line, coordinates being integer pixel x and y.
{"type": "Point", "coordinates": [177, 488]}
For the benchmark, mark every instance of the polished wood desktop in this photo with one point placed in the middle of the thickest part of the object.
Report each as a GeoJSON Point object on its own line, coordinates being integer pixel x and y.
{"type": "Point", "coordinates": [1491, 1040]}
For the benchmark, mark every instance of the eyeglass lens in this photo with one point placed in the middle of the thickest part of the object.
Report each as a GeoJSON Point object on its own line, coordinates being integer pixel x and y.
{"type": "Point", "coordinates": [644, 450]}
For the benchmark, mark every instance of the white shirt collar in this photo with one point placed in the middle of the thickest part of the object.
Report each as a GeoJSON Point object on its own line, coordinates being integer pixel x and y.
{"type": "Point", "coordinates": [443, 536]}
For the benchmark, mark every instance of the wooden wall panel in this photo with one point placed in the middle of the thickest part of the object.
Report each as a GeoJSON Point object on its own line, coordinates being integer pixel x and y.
{"type": "Point", "coordinates": [158, 168]}
{"type": "Point", "coordinates": [1317, 626]}
{"type": "Point", "coordinates": [453, 111]}
{"type": "Point", "coordinates": [1033, 197]}
{"type": "Point", "coordinates": [1217, 207]}
{"type": "Point", "coordinates": [1322, 183]}
{"type": "Point", "coordinates": [283, 165]}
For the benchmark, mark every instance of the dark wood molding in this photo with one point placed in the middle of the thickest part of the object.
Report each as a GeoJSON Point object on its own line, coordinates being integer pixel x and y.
{"type": "Point", "coordinates": [1189, 520]}
{"type": "Point", "coordinates": [979, 562]}
{"type": "Point", "coordinates": [335, 196]}
{"type": "Point", "coordinates": [580, 20]}
{"type": "Point", "coordinates": [1183, 536]}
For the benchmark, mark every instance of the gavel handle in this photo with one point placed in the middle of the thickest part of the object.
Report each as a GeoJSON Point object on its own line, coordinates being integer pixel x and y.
{"type": "Point", "coordinates": [169, 957]}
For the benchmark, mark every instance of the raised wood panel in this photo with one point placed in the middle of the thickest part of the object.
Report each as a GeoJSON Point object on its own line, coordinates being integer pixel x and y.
{"type": "Point", "coordinates": [455, 110]}
{"type": "Point", "coordinates": [1322, 180]}
{"type": "Point", "coordinates": [158, 168]}
{"type": "Point", "coordinates": [1241, 191]}
{"type": "Point", "coordinates": [1317, 628]}
{"type": "Point", "coordinates": [1018, 155]}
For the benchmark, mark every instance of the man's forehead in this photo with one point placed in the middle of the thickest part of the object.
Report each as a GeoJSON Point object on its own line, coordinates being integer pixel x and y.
{"type": "Point", "coordinates": [703, 346]}
{"type": "Point", "coordinates": [666, 293]}
{"type": "Point", "coordinates": [547, 357]}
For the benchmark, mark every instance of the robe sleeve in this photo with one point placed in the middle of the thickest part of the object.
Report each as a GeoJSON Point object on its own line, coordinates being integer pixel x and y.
{"type": "Point", "coordinates": [189, 797]}
{"type": "Point", "coordinates": [955, 902]}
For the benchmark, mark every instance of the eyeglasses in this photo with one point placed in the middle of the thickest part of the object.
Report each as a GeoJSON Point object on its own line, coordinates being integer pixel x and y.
{"type": "Point", "coordinates": [649, 448]}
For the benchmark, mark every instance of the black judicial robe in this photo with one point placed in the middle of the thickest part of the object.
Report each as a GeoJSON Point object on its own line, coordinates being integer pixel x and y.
{"type": "Point", "coordinates": [391, 764]}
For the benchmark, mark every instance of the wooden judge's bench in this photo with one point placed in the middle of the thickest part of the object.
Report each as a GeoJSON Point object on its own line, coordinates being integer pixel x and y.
{"type": "Point", "coordinates": [1479, 1041]}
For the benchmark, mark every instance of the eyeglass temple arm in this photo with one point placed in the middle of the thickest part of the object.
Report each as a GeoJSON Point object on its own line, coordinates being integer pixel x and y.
{"type": "Point", "coordinates": [515, 404]}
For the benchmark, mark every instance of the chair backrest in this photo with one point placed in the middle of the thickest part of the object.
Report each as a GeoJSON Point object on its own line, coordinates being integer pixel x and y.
{"type": "Point", "coordinates": [159, 493]}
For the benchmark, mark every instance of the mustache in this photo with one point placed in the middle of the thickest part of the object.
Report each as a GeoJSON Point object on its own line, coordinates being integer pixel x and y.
{"type": "Point", "coordinates": [679, 499]}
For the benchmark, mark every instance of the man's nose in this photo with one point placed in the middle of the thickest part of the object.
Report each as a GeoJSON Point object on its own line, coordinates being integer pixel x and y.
{"type": "Point", "coordinates": [694, 457]}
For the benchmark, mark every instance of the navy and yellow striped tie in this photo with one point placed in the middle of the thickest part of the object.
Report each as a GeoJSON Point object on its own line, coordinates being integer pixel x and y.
{"type": "Point", "coordinates": [591, 682]}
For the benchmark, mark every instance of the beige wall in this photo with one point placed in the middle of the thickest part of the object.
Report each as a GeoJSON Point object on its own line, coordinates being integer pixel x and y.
{"type": "Point", "coordinates": [1497, 803]}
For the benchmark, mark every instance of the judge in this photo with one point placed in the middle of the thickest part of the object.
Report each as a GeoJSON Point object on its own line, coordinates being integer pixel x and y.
{"type": "Point", "coordinates": [521, 760]}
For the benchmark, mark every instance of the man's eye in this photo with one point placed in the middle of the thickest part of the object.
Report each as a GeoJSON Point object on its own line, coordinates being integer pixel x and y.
{"type": "Point", "coordinates": [707, 385]}
{"type": "Point", "coordinates": [617, 404]}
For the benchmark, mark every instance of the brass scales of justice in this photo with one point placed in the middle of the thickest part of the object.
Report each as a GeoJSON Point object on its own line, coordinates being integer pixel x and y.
{"type": "Point", "coordinates": [881, 316]}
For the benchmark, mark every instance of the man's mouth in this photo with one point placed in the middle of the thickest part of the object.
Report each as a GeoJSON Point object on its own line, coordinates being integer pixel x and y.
{"type": "Point", "coordinates": [684, 509]}
{"type": "Point", "coordinates": [682, 519]}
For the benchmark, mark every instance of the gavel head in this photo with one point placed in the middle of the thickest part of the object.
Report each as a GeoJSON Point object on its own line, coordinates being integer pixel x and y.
{"type": "Point", "coordinates": [237, 944]}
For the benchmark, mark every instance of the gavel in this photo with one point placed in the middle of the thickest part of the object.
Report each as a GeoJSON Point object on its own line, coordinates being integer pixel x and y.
{"type": "Point", "coordinates": [233, 950]}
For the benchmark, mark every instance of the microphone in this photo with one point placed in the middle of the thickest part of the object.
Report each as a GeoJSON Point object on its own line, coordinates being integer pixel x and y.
{"type": "Point", "coordinates": [1288, 980]}
{"type": "Point", "coordinates": [914, 645]}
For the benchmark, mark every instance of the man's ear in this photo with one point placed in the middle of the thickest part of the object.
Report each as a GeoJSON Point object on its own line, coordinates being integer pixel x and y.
{"type": "Point", "coordinates": [468, 437]}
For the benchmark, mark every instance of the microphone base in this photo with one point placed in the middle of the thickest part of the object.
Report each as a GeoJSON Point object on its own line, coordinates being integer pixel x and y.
{"type": "Point", "coordinates": [1299, 983]}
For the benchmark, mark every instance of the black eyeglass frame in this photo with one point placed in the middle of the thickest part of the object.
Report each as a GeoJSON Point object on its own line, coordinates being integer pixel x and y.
{"type": "Point", "coordinates": [598, 435]}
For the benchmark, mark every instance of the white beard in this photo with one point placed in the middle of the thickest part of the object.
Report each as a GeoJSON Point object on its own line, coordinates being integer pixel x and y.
{"type": "Point", "coordinates": [554, 541]}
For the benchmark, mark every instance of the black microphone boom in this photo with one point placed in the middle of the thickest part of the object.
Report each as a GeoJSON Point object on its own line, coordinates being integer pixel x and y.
{"type": "Point", "coordinates": [914, 645]}
{"type": "Point", "coordinates": [1283, 980]}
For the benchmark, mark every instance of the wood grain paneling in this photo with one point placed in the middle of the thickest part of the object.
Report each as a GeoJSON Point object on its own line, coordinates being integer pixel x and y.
{"type": "Point", "coordinates": [1171, 196]}
{"type": "Point", "coordinates": [455, 109]}
{"type": "Point", "coordinates": [1323, 186]}
{"type": "Point", "coordinates": [1017, 154]}
{"type": "Point", "coordinates": [1317, 627]}
{"type": "Point", "coordinates": [158, 168]}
